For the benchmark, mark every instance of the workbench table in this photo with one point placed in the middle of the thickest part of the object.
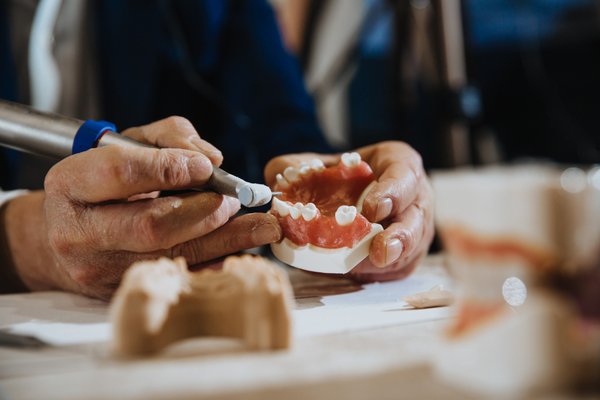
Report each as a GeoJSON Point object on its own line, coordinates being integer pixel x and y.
{"type": "Point", "coordinates": [349, 343]}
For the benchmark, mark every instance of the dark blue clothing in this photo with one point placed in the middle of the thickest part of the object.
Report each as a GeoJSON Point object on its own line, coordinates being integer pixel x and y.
{"type": "Point", "coordinates": [219, 63]}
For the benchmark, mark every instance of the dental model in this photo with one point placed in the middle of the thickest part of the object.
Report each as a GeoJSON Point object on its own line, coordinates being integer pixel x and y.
{"type": "Point", "coordinates": [320, 214]}
{"type": "Point", "coordinates": [161, 302]}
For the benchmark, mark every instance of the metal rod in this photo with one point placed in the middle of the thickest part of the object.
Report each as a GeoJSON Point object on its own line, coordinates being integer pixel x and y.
{"type": "Point", "coordinates": [31, 131]}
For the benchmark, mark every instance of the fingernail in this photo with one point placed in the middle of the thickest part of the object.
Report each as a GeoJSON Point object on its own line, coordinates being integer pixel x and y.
{"type": "Point", "coordinates": [393, 250]}
{"type": "Point", "coordinates": [266, 233]}
{"type": "Point", "coordinates": [384, 209]}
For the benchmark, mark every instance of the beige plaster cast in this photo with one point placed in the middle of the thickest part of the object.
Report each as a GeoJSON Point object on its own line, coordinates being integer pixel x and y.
{"type": "Point", "coordinates": [161, 302]}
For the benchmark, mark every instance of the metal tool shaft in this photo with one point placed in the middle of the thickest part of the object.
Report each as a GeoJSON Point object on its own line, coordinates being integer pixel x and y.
{"type": "Point", "coordinates": [31, 131]}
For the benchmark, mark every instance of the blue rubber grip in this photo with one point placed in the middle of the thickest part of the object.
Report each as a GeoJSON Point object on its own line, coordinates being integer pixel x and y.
{"type": "Point", "coordinates": [89, 133]}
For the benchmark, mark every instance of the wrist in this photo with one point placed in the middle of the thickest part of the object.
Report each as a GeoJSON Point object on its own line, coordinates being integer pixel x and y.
{"type": "Point", "coordinates": [10, 281]}
{"type": "Point", "coordinates": [26, 253]}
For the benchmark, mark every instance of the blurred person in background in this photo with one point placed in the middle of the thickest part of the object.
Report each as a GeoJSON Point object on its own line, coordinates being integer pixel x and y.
{"type": "Point", "coordinates": [378, 70]}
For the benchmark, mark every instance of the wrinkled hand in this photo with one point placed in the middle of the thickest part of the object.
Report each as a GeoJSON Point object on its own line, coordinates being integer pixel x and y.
{"type": "Point", "coordinates": [100, 213]}
{"type": "Point", "coordinates": [402, 201]}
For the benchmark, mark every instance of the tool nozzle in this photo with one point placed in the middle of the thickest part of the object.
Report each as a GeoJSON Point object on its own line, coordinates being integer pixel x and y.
{"type": "Point", "coordinates": [254, 194]}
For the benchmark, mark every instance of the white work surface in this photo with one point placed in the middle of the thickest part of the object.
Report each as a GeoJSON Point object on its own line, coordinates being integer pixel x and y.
{"type": "Point", "coordinates": [350, 342]}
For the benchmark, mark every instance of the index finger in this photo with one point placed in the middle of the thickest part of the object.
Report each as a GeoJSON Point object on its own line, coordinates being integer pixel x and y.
{"type": "Point", "coordinates": [175, 132]}
{"type": "Point", "coordinates": [399, 171]}
{"type": "Point", "coordinates": [115, 172]}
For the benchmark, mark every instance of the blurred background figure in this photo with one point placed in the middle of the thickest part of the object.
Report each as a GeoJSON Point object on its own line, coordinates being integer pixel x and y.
{"type": "Point", "coordinates": [472, 81]}
{"type": "Point", "coordinates": [220, 64]}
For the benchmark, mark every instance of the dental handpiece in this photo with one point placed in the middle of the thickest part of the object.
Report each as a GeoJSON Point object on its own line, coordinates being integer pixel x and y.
{"type": "Point", "coordinates": [52, 135]}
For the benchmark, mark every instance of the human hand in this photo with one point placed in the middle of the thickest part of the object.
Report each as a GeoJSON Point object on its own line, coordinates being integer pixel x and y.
{"type": "Point", "coordinates": [401, 200]}
{"type": "Point", "coordinates": [100, 213]}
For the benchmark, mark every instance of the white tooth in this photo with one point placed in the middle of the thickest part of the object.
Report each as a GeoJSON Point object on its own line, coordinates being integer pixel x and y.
{"type": "Point", "coordinates": [296, 210]}
{"type": "Point", "coordinates": [316, 164]}
{"type": "Point", "coordinates": [309, 212]}
{"type": "Point", "coordinates": [345, 215]}
{"type": "Point", "coordinates": [294, 213]}
{"type": "Point", "coordinates": [282, 182]}
{"type": "Point", "coordinates": [282, 207]}
{"type": "Point", "coordinates": [304, 168]}
{"type": "Point", "coordinates": [350, 159]}
{"type": "Point", "coordinates": [291, 174]}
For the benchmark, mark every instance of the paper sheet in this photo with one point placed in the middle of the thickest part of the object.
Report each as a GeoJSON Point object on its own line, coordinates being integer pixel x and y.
{"type": "Point", "coordinates": [64, 319]}
{"type": "Point", "coordinates": [377, 305]}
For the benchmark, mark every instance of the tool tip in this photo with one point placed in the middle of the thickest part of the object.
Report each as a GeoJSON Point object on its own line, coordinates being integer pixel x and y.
{"type": "Point", "coordinates": [254, 195]}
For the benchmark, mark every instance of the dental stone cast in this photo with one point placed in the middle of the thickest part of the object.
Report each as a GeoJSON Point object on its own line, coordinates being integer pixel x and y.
{"type": "Point", "coordinates": [351, 159]}
{"type": "Point", "coordinates": [160, 302]}
{"type": "Point", "coordinates": [345, 215]}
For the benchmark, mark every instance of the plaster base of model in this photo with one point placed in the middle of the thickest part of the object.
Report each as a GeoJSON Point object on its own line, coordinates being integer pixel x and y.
{"type": "Point", "coordinates": [319, 259]}
{"type": "Point", "coordinates": [161, 302]}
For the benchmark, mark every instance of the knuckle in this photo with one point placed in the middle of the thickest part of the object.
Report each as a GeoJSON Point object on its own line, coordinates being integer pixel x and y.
{"type": "Point", "coordinates": [235, 243]}
{"type": "Point", "coordinates": [429, 227]}
{"type": "Point", "coordinates": [84, 276]}
{"type": "Point", "coordinates": [119, 167]}
{"type": "Point", "coordinates": [416, 159]}
{"type": "Point", "coordinates": [416, 170]}
{"type": "Point", "coordinates": [135, 132]}
{"type": "Point", "coordinates": [220, 216]}
{"type": "Point", "coordinates": [413, 159]}
{"type": "Point", "coordinates": [179, 124]}
{"type": "Point", "coordinates": [149, 230]}
{"type": "Point", "coordinates": [53, 182]}
{"type": "Point", "coordinates": [276, 163]}
{"type": "Point", "coordinates": [172, 168]}
{"type": "Point", "coordinates": [404, 148]}
{"type": "Point", "coordinates": [193, 252]}
{"type": "Point", "coordinates": [220, 213]}
{"type": "Point", "coordinates": [60, 242]}
{"type": "Point", "coordinates": [407, 237]}
{"type": "Point", "coordinates": [69, 239]}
